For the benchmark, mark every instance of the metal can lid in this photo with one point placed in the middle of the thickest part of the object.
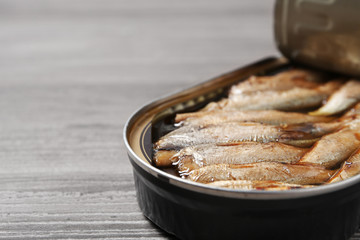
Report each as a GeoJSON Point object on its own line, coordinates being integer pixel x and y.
{"type": "Point", "coordinates": [320, 33]}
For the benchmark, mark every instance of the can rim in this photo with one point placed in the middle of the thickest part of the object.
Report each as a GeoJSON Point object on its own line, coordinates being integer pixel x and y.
{"type": "Point", "coordinates": [220, 191]}
{"type": "Point", "coordinates": [224, 192]}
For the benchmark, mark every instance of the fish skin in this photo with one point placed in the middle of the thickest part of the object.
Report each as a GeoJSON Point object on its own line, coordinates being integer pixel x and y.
{"type": "Point", "coordinates": [272, 117]}
{"type": "Point", "coordinates": [293, 99]}
{"type": "Point", "coordinates": [194, 157]}
{"type": "Point", "coordinates": [342, 99]}
{"type": "Point", "coordinates": [219, 105]}
{"type": "Point", "coordinates": [257, 185]}
{"type": "Point", "coordinates": [316, 129]}
{"type": "Point", "coordinates": [281, 81]}
{"type": "Point", "coordinates": [332, 149]}
{"type": "Point", "coordinates": [231, 132]}
{"type": "Point", "coordinates": [353, 111]}
{"type": "Point", "coordinates": [264, 171]}
{"type": "Point", "coordinates": [162, 158]}
{"type": "Point", "coordinates": [350, 168]}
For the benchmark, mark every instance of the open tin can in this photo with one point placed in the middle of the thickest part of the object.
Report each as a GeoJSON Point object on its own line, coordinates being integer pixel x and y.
{"type": "Point", "coordinates": [191, 210]}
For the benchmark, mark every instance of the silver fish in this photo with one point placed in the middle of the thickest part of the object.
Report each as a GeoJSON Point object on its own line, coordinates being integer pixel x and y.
{"type": "Point", "coordinates": [281, 81]}
{"type": "Point", "coordinates": [194, 157]}
{"type": "Point", "coordinates": [333, 149]}
{"type": "Point", "coordinates": [232, 132]}
{"type": "Point", "coordinates": [339, 101]}
{"type": "Point", "coordinates": [264, 171]}
{"type": "Point", "coordinates": [349, 168]}
{"type": "Point", "coordinates": [257, 185]}
{"type": "Point", "coordinates": [293, 99]}
{"type": "Point", "coordinates": [272, 117]}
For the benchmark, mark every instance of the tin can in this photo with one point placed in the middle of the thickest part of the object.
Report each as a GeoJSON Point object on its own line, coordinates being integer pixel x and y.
{"type": "Point", "coordinates": [190, 210]}
{"type": "Point", "coordinates": [316, 33]}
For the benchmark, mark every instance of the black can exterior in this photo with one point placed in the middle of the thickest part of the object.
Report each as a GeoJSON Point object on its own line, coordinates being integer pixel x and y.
{"type": "Point", "coordinates": [193, 215]}
{"type": "Point", "coordinates": [191, 210]}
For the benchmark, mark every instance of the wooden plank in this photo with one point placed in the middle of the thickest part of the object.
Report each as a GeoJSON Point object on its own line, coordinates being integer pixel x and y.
{"type": "Point", "coordinates": [80, 206]}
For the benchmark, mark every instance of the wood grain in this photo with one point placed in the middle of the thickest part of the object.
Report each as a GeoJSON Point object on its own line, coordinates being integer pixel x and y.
{"type": "Point", "coordinates": [71, 74]}
{"type": "Point", "coordinates": [81, 206]}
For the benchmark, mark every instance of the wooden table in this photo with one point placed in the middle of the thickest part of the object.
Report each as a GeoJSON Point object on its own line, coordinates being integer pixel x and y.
{"type": "Point", "coordinates": [71, 74]}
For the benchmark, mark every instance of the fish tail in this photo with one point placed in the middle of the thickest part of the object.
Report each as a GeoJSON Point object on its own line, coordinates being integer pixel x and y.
{"type": "Point", "coordinates": [162, 158]}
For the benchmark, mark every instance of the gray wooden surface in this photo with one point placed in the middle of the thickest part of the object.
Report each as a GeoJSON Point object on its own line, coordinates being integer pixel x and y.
{"type": "Point", "coordinates": [72, 72]}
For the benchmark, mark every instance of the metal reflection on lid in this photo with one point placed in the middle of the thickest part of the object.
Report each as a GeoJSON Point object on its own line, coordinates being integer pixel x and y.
{"type": "Point", "coordinates": [320, 33]}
